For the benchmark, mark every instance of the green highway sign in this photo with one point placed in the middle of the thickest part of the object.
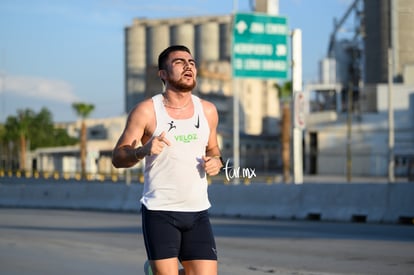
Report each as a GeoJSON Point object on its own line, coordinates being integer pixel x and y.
{"type": "Point", "coordinates": [260, 47]}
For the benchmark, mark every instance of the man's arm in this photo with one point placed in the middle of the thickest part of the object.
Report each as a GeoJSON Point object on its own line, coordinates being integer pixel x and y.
{"type": "Point", "coordinates": [126, 153]}
{"type": "Point", "coordinates": [139, 128]}
{"type": "Point", "coordinates": [212, 160]}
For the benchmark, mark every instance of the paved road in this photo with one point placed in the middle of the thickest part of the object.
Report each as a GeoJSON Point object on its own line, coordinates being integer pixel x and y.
{"type": "Point", "coordinates": [50, 242]}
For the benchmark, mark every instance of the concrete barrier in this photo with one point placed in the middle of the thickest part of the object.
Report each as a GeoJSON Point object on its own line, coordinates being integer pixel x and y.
{"type": "Point", "coordinates": [364, 202]}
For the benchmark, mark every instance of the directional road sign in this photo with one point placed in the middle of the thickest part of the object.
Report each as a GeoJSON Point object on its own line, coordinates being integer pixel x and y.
{"type": "Point", "coordinates": [260, 47]}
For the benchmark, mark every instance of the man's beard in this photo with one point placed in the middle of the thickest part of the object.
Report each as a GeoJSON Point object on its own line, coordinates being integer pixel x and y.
{"type": "Point", "coordinates": [181, 85]}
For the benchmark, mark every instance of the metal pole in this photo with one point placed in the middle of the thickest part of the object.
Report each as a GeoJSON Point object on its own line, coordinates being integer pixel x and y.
{"type": "Point", "coordinates": [128, 176]}
{"type": "Point", "coordinates": [236, 129]}
{"type": "Point", "coordinates": [3, 96]}
{"type": "Point", "coordinates": [391, 177]}
{"type": "Point", "coordinates": [297, 88]}
{"type": "Point", "coordinates": [3, 89]}
{"type": "Point", "coordinates": [236, 112]}
{"type": "Point", "coordinates": [349, 133]}
{"type": "Point", "coordinates": [235, 6]}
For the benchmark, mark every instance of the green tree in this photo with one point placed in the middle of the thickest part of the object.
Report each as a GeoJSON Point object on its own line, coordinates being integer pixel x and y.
{"type": "Point", "coordinates": [4, 149]}
{"type": "Point", "coordinates": [41, 129]}
{"type": "Point", "coordinates": [44, 134]}
{"type": "Point", "coordinates": [30, 130]}
{"type": "Point", "coordinates": [285, 92]}
{"type": "Point", "coordinates": [61, 138]}
{"type": "Point", "coordinates": [17, 131]}
{"type": "Point", "coordinates": [83, 110]}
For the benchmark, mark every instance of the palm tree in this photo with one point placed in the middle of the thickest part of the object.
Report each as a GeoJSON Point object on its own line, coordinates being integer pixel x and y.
{"type": "Point", "coordinates": [83, 110]}
{"type": "Point", "coordinates": [17, 128]}
{"type": "Point", "coordinates": [285, 95]}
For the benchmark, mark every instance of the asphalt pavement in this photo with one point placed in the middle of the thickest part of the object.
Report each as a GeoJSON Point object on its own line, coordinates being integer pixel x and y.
{"type": "Point", "coordinates": [46, 242]}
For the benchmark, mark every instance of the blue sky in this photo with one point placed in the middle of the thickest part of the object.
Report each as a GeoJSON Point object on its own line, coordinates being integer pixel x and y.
{"type": "Point", "coordinates": [55, 52]}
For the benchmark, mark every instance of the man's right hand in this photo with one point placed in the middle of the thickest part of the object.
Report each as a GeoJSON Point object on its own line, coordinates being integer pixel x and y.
{"type": "Point", "coordinates": [156, 144]}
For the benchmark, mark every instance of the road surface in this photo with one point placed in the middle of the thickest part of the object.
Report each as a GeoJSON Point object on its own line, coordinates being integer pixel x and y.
{"type": "Point", "coordinates": [46, 242]}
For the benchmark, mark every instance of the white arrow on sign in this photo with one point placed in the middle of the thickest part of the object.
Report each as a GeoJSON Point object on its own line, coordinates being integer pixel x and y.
{"type": "Point", "coordinates": [241, 26]}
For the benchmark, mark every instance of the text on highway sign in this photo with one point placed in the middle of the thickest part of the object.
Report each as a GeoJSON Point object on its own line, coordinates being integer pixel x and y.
{"type": "Point", "coordinates": [260, 47]}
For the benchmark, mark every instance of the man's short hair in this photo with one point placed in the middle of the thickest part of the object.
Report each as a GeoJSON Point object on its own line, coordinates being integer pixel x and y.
{"type": "Point", "coordinates": [162, 58]}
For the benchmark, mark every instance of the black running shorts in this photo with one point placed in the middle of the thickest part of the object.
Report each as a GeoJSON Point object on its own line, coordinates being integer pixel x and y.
{"type": "Point", "coordinates": [185, 235]}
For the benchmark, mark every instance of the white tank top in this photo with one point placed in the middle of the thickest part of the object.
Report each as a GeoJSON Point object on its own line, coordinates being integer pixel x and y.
{"type": "Point", "coordinates": [175, 180]}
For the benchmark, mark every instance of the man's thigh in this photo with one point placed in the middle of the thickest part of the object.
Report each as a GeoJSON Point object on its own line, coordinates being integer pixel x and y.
{"type": "Point", "coordinates": [200, 267]}
{"type": "Point", "coordinates": [198, 242]}
{"type": "Point", "coordinates": [168, 266]}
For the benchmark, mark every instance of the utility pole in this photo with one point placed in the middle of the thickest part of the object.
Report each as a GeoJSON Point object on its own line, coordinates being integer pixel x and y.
{"type": "Point", "coordinates": [236, 114]}
{"type": "Point", "coordinates": [349, 133]}
{"type": "Point", "coordinates": [3, 95]}
{"type": "Point", "coordinates": [391, 177]}
{"type": "Point", "coordinates": [3, 88]}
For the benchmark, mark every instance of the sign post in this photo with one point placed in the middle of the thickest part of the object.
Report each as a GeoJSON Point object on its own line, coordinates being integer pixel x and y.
{"type": "Point", "coordinates": [298, 103]}
{"type": "Point", "coordinates": [259, 50]}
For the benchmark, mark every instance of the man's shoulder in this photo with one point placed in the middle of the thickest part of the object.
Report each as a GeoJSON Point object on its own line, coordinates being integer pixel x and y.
{"type": "Point", "coordinates": [208, 107]}
{"type": "Point", "coordinates": [207, 104]}
{"type": "Point", "coordinates": [148, 102]}
{"type": "Point", "coordinates": [145, 107]}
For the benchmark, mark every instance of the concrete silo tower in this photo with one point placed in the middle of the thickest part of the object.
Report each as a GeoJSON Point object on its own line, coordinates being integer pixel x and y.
{"type": "Point", "coordinates": [388, 23]}
{"type": "Point", "coordinates": [135, 63]}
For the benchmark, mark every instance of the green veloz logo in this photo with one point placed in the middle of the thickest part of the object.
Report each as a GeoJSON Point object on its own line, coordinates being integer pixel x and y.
{"type": "Point", "coordinates": [186, 138]}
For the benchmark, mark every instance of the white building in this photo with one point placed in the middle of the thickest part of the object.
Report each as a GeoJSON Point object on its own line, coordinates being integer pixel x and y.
{"type": "Point", "coordinates": [337, 144]}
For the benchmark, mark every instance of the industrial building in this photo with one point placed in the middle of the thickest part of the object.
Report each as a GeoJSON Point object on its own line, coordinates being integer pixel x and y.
{"type": "Point", "coordinates": [361, 111]}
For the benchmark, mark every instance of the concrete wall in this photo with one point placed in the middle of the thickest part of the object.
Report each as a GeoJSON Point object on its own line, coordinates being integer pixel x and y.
{"type": "Point", "coordinates": [366, 202]}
